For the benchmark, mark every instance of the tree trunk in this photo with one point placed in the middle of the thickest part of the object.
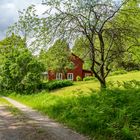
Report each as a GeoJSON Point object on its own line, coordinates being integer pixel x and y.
{"type": "Point", "coordinates": [103, 84]}
{"type": "Point", "coordinates": [102, 80]}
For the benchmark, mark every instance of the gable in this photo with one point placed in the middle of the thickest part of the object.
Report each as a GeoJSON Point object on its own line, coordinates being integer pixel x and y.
{"type": "Point", "coordinates": [75, 58]}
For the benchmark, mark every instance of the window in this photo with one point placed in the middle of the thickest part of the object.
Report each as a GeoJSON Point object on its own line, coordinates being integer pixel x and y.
{"type": "Point", "coordinates": [58, 76]}
{"type": "Point", "coordinates": [70, 76]}
{"type": "Point", "coordinates": [87, 74]}
{"type": "Point", "coordinates": [45, 75]}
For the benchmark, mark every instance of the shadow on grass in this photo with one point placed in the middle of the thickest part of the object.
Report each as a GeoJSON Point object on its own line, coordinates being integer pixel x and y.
{"type": "Point", "coordinates": [106, 115]}
{"type": "Point", "coordinates": [109, 114]}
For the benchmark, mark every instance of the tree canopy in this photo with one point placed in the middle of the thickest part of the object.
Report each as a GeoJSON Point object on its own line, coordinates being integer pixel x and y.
{"type": "Point", "coordinates": [111, 28]}
{"type": "Point", "coordinates": [108, 25]}
{"type": "Point", "coordinates": [81, 49]}
{"type": "Point", "coordinates": [19, 69]}
{"type": "Point", "coordinates": [57, 58]}
{"type": "Point", "coordinates": [27, 27]}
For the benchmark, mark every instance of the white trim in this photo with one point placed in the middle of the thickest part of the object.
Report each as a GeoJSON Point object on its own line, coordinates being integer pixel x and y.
{"type": "Point", "coordinates": [59, 76]}
{"type": "Point", "coordinates": [45, 73]}
{"type": "Point", "coordinates": [87, 74]}
{"type": "Point", "coordinates": [70, 76]}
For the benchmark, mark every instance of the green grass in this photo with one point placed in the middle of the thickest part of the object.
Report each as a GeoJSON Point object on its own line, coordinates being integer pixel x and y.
{"type": "Point", "coordinates": [88, 86]}
{"type": "Point", "coordinates": [3, 101]}
{"type": "Point", "coordinates": [108, 115]}
{"type": "Point", "coordinates": [10, 107]}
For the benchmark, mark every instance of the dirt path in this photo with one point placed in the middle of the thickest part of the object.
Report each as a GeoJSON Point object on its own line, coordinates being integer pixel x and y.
{"type": "Point", "coordinates": [19, 127]}
{"type": "Point", "coordinates": [38, 127]}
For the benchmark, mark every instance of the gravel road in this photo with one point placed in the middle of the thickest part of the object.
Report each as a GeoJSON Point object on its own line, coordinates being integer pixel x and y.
{"type": "Point", "coordinates": [32, 126]}
{"type": "Point", "coordinates": [19, 127]}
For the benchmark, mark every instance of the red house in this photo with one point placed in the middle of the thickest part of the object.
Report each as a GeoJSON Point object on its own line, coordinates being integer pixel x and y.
{"type": "Point", "coordinates": [71, 73]}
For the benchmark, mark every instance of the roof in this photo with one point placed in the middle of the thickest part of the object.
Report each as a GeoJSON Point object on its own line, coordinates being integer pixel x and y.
{"type": "Point", "coordinates": [87, 70]}
{"type": "Point", "coordinates": [77, 57]}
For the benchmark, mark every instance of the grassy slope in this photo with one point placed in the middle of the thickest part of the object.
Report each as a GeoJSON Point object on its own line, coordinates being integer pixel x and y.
{"type": "Point", "coordinates": [110, 115]}
{"type": "Point", "coordinates": [89, 86]}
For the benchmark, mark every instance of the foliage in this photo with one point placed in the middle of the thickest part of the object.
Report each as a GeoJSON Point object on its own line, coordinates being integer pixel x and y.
{"type": "Point", "coordinates": [130, 64]}
{"type": "Point", "coordinates": [112, 114]}
{"type": "Point", "coordinates": [56, 84]}
{"type": "Point", "coordinates": [81, 49]}
{"type": "Point", "coordinates": [57, 58]}
{"type": "Point", "coordinates": [130, 59]}
{"type": "Point", "coordinates": [117, 72]}
{"type": "Point", "coordinates": [132, 84]}
{"type": "Point", "coordinates": [109, 26]}
{"type": "Point", "coordinates": [20, 70]}
{"type": "Point", "coordinates": [78, 78]}
{"type": "Point", "coordinates": [88, 78]}
{"type": "Point", "coordinates": [27, 27]}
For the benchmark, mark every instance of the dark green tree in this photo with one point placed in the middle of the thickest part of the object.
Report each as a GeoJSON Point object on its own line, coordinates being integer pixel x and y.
{"type": "Point", "coordinates": [19, 70]}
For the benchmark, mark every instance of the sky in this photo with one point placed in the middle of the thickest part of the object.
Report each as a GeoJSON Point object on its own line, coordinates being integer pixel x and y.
{"type": "Point", "coordinates": [9, 12]}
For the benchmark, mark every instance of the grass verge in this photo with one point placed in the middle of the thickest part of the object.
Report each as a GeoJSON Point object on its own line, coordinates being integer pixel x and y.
{"type": "Point", "coordinates": [10, 107]}
{"type": "Point", "coordinates": [108, 115]}
{"type": "Point", "coordinates": [112, 114]}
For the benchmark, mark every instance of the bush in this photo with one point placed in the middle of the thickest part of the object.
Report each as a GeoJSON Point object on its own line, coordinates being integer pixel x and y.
{"type": "Point", "coordinates": [78, 78]}
{"type": "Point", "coordinates": [133, 84]}
{"type": "Point", "coordinates": [126, 133]}
{"type": "Point", "coordinates": [118, 72]}
{"type": "Point", "coordinates": [88, 78]}
{"type": "Point", "coordinates": [56, 84]}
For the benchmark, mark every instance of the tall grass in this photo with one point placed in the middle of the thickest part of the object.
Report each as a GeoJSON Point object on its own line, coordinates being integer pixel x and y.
{"type": "Point", "coordinates": [112, 114]}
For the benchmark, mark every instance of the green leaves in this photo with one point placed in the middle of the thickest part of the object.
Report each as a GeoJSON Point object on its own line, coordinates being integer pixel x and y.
{"type": "Point", "coordinates": [20, 71]}
{"type": "Point", "coordinates": [27, 26]}
{"type": "Point", "coordinates": [57, 58]}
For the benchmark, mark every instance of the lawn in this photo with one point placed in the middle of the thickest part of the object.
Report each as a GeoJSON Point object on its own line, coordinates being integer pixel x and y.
{"type": "Point", "coordinates": [112, 114]}
{"type": "Point", "coordinates": [88, 86]}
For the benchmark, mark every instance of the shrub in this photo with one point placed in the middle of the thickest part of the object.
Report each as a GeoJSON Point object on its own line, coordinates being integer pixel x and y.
{"type": "Point", "coordinates": [78, 78]}
{"type": "Point", "coordinates": [126, 133]}
{"type": "Point", "coordinates": [56, 84]}
{"type": "Point", "coordinates": [133, 84]}
{"type": "Point", "coordinates": [118, 72]}
{"type": "Point", "coordinates": [88, 78]}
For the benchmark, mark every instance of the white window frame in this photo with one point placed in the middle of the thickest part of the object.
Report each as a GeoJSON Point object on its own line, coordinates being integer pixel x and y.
{"type": "Point", "coordinates": [87, 74]}
{"type": "Point", "coordinates": [70, 76]}
{"type": "Point", "coordinates": [59, 76]}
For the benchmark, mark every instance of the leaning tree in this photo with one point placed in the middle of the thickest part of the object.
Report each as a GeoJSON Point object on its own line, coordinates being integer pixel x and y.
{"type": "Point", "coordinates": [104, 23]}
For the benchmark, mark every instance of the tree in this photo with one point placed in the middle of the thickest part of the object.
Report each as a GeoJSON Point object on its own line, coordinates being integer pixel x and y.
{"type": "Point", "coordinates": [101, 22]}
{"type": "Point", "coordinates": [81, 49]}
{"type": "Point", "coordinates": [19, 70]}
{"type": "Point", "coordinates": [130, 59]}
{"type": "Point", "coordinates": [57, 58]}
{"type": "Point", "coordinates": [27, 26]}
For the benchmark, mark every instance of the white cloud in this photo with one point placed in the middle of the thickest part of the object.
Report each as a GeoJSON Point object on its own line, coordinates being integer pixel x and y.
{"type": "Point", "coordinates": [9, 12]}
